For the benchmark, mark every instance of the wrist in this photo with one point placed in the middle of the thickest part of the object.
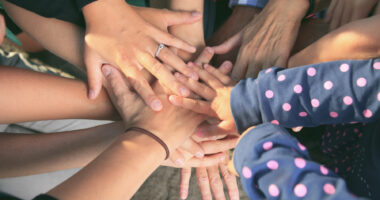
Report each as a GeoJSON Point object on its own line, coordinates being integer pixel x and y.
{"type": "Point", "coordinates": [297, 9]}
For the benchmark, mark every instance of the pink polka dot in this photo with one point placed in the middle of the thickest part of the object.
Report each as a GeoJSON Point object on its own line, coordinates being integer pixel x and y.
{"type": "Point", "coordinates": [247, 173]}
{"type": "Point", "coordinates": [367, 113]}
{"type": "Point", "coordinates": [376, 65]}
{"type": "Point", "coordinates": [315, 103]}
{"type": "Point", "coordinates": [268, 70]}
{"type": "Point", "coordinates": [328, 85]}
{"type": "Point", "coordinates": [273, 190]}
{"type": "Point", "coordinates": [272, 164]}
{"type": "Point", "coordinates": [303, 148]}
{"type": "Point", "coordinates": [286, 107]}
{"type": "Point", "coordinates": [281, 78]}
{"type": "Point", "coordinates": [300, 162]}
{"type": "Point", "coordinates": [344, 67]}
{"type": "Point", "coordinates": [269, 94]}
{"type": "Point", "coordinates": [378, 96]}
{"type": "Point", "coordinates": [275, 122]}
{"type": "Point", "coordinates": [347, 100]}
{"type": "Point", "coordinates": [329, 189]}
{"type": "Point", "coordinates": [361, 82]}
{"type": "Point", "coordinates": [334, 114]}
{"type": "Point", "coordinates": [302, 114]}
{"type": "Point", "coordinates": [324, 170]}
{"type": "Point", "coordinates": [267, 145]}
{"type": "Point", "coordinates": [300, 190]}
{"type": "Point", "coordinates": [311, 71]}
{"type": "Point", "coordinates": [297, 88]}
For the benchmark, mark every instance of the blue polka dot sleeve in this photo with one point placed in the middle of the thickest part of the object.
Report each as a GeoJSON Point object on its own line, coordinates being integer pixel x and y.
{"type": "Point", "coordinates": [325, 93]}
{"type": "Point", "coordinates": [274, 165]}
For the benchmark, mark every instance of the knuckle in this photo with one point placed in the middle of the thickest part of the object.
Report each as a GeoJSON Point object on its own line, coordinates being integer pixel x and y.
{"type": "Point", "coordinates": [215, 181]}
{"type": "Point", "coordinates": [156, 66]}
{"type": "Point", "coordinates": [202, 179]}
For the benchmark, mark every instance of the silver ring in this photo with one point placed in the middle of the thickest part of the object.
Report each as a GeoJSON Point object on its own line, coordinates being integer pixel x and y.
{"type": "Point", "coordinates": [160, 47]}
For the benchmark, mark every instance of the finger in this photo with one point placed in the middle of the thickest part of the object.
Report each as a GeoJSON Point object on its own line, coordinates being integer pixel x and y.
{"type": "Point", "coordinates": [193, 148]}
{"type": "Point", "coordinates": [181, 17]}
{"type": "Point", "coordinates": [297, 129]}
{"type": "Point", "coordinates": [142, 87]}
{"type": "Point", "coordinates": [230, 181]}
{"type": "Point", "coordinates": [168, 57]}
{"type": "Point", "coordinates": [205, 56]}
{"type": "Point", "coordinates": [225, 68]}
{"type": "Point", "coordinates": [177, 158]}
{"type": "Point", "coordinates": [170, 40]}
{"type": "Point", "coordinates": [2, 28]}
{"type": "Point", "coordinates": [184, 183]}
{"type": "Point", "coordinates": [199, 88]}
{"type": "Point", "coordinates": [230, 44]}
{"type": "Point", "coordinates": [93, 64]}
{"type": "Point", "coordinates": [337, 15]}
{"type": "Point", "coordinates": [206, 161]}
{"type": "Point", "coordinates": [163, 74]}
{"type": "Point", "coordinates": [198, 106]}
{"type": "Point", "coordinates": [216, 146]}
{"type": "Point", "coordinates": [223, 128]}
{"type": "Point", "coordinates": [203, 183]}
{"type": "Point", "coordinates": [224, 79]}
{"type": "Point", "coordinates": [253, 71]}
{"type": "Point", "coordinates": [331, 10]}
{"type": "Point", "coordinates": [215, 182]}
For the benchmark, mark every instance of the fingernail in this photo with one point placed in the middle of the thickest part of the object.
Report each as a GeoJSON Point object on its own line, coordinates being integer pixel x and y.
{"type": "Point", "coordinates": [195, 14]}
{"type": "Point", "coordinates": [235, 198]}
{"type": "Point", "coordinates": [206, 66]}
{"type": "Point", "coordinates": [184, 91]}
{"type": "Point", "coordinates": [210, 50]}
{"type": "Point", "coordinates": [227, 65]}
{"type": "Point", "coordinates": [194, 76]}
{"type": "Point", "coordinates": [91, 94]}
{"type": "Point", "coordinates": [199, 155]}
{"type": "Point", "coordinates": [214, 138]}
{"type": "Point", "coordinates": [156, 105]}
{"type": "Point", "coordinates": [106, 70]}
{"type": "Point", "coordinates": [179, 162]}
{"type": "Point", "coordinates": [222, 158]}
{"type": "Point", "coordinates": [199, 133]}
{"type": "Point", "coordinates": [177, 75]}
{"type": "Point", "coordinates": [190, 64]}
{"type": "Point", "coordinates": [183, 196]}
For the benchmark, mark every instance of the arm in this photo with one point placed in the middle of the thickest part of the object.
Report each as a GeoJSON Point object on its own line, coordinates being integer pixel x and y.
{"type": "Point", "coordinates": [25, 154]}
{"type": "Point", "coordinates": [45, 96]}
{"type": "Point", "coordinates": [312, 95]}
{"type": "Point", "coordinates": [357, 40]}
{"type": "Point", "coordinates": [272, 164]}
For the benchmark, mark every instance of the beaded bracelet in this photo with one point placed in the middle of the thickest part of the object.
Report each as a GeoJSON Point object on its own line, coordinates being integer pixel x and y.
{"type": "Point", "coordinates": [153, 136]}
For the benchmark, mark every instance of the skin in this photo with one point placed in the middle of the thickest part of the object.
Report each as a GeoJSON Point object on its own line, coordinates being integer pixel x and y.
{"type": "Point", "coordinates": [341, 12]}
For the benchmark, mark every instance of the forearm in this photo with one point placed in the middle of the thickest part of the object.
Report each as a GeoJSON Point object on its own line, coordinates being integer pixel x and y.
{"type": "Point", "coordinates": [32, 96]}
{"type": "Point", "coordinates": [62, 38]}
{"type": "Point", "coordinates": [26, 154]}
{"type": "Point", "coordinates": [356, 40]}
{"type": "Point", "coordinates": [124, 166]}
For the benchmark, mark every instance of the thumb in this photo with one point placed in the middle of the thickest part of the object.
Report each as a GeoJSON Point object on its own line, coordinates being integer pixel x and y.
{"type": "Point", "coordinates": [93, 64]}
{"type": "Point", "coordinates": [181, 17]}
{"type": "Point", "coordinates": [230, 44]}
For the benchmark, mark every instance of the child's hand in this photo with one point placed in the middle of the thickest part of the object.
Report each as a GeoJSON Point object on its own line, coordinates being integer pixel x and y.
{"type": "Point", "coordinates": [341, 12]}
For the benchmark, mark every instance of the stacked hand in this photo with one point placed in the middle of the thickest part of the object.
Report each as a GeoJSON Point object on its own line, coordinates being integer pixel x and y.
{"type": "Point", "coordinates": [121, 37]}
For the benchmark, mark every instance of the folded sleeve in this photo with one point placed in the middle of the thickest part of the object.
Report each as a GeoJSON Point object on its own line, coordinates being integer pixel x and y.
{"type": "Point", "coordinates": [274, 165]}
{"type": "Point", "coordinates": [325, 93]}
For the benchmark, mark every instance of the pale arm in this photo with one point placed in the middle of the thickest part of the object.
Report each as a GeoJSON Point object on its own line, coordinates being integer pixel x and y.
{"type": "Point", "coordinates": [26, 154]}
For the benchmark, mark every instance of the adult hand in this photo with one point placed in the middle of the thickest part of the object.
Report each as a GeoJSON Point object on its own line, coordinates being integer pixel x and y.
{"type": "Point", "coordinates": [268, 39]}
{"type": "Point", "coordinates": [208, 179]}
{"type": "Point", "coordinates": [121, 37]}
{"type": "Point", "coordinates": [2, 28]}
{"type": "Point", "coordinates": [341, 12]}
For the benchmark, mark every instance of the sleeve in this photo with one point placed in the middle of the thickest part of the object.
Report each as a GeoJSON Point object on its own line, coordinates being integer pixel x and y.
{"type": "Point", "coordinates": [83, 3]}
{"type": "Point", "coordinates": [311, 95]}
{"type": "Point", "coordinates": [252, 3]}
{"type": "Point", "coordinates": [274, 165]}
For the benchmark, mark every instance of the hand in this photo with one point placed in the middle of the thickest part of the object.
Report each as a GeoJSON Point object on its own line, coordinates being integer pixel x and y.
{"type": "Point", "coordinates": [121, 37]}
{"type": "Point", "coordinates": [240, 17]}
{"type": "Point", "coordinates": [268, 39]}
{"type": "Point", "coordinates": [164, 123]}
{"type": "Point", "coordinates": [209, 177]}
{"type": "Point", "coordinates": [2, 28]}
{"type": "Point", "coordinates": [341, 12]}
